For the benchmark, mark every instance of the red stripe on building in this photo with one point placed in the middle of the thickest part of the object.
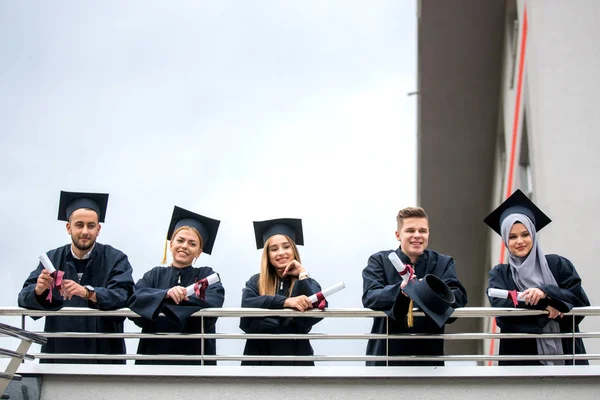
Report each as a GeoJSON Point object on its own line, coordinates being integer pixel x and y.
{"type": "Point", "coordinates": [513, 144]}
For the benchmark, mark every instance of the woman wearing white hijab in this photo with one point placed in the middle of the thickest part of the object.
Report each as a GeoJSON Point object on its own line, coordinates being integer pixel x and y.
{"type": "Point", "coordinates": [548, 282]}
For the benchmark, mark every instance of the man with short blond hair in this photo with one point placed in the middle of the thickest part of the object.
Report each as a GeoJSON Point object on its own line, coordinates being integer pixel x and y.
{"type": "Point", "coordinates": [383, 291]}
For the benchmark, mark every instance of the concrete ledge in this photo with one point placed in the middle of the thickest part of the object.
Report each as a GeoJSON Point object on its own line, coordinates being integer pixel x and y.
{"type": "Point", "coordinates": [297, 386]}
{"type": "Point", "coordinates": [112, 371]}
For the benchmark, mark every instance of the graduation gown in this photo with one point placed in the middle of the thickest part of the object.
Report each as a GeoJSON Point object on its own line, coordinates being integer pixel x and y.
{"type": "Point", "coordinates": [109, 272]}
{"type": "Point", "coordinates": [281, 347]}
{"type": "Point", "coordinates": [564, 297]}
{"type": "Point", "coordinates": [381, 291]}
{"type": "Point", "coordinates": [148, 300]}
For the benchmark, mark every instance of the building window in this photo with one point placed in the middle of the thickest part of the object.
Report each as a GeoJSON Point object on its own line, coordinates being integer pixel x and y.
{"type": "Point", "coordinates": [512, 27]}
{"type": "Point", "coordinates": [502, 162]}
{"type": "Point", "coordinates": [525, 173]}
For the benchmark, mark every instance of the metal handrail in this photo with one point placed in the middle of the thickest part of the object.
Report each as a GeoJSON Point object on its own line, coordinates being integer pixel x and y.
{"type": "Point", "coordinates": [15, 377]}
{"type": "Point", "coordinates": [316, 336]}
{"type": "Point", "coordinates": [26, 339]}
{"type": "Point", "coordinates": [8, 330]}
{"type": "Point", "coordinates": [14, 354]}
{"type": "Point", "coordinates": [78, 356]}
{"type": "Point", "coordinates": [467, 312]}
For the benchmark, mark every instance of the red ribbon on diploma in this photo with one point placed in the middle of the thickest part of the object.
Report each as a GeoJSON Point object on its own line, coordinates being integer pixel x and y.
{"type": "Point", "coordinates": [512, 294]}
{"type": "Point", "coordinates": [57, 278]}
{"type": "Point", "coordinates": [321, 301]}
{"type": "Point", "coordinates": [200, 288]}
{"type": "Point", "coordinates": [410, 269]}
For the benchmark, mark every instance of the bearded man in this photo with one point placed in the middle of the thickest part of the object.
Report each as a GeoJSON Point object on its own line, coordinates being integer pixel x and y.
{"type": "Point", "coordinates": [89, 275]}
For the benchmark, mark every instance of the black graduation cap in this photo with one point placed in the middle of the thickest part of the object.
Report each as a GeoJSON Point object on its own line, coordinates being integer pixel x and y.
{"type": "Point", "coordinates": [207, 227]}
{"type": "Point", "coordinates": [517, 203]}
{"type": "Point", "coordinates": [291, 227]}
{"type": "Point", "coordinates": [71, 201]}
{"type": "Point", "coordinates": [433, 297]}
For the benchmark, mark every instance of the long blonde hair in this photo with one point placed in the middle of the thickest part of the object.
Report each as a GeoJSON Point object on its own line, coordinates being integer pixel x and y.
{"type": "Point", "coordinates": [267, 282]}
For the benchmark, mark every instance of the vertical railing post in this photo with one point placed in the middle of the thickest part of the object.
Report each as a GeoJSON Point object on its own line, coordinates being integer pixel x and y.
{"type": "Point", "coordinates": [387, 341]}
{"type": "Point", "coordinates": [202, 339]}
{"type": "Point", "coordinates": [573, 332]}
{"type": "Point", "coordinates": [23, 327]}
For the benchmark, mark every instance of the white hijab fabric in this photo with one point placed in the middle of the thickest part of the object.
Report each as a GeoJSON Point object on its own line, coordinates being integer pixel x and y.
{"type": "Point", "coordinates": [532, 271]}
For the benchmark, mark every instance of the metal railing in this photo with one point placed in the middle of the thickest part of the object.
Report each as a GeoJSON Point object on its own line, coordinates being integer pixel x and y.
{"type": "Point", "coordinates": [17, 357]}
{"type": "Point", "coordinates": [467, 312]}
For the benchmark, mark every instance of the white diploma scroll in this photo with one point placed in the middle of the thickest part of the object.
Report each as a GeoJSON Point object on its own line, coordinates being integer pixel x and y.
{"type": "Point", "coordinates": [503, 294]}
{"type": "Point", "coordinates": [399, 266]}
{"type": "Point", "coordinates": [47, 263]}
{"type": "Point", "coordinates": [189, 290]}
{"type": "Point", "coordinates": [329, 291]}
{"type": "Point", "coordinates": [213, 278]}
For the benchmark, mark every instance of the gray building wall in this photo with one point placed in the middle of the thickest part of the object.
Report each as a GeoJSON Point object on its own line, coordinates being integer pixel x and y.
{"type": "Point", "coordinates": [460, 62]}
{"type": "Point", "coordinates": [560, 125]}
{"type": "Point", "coordinates": [468, 77]}
{"type": "Point", "coordinates": [310, 387]}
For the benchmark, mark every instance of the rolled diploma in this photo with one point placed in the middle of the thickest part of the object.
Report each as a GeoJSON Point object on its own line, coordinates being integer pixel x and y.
{"type": "Point", "coordinates": [399, 266]}
{"type": "Point", "coordinates": [47, 263]}
{"type": "Point", "coordinates": [213, 278]}
{"type": "Point", "coordinates": [329, 291]}
{"type": "Point", "coordinates": [503, 294]}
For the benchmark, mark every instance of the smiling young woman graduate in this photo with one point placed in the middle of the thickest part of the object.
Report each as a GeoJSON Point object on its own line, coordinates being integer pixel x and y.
{"type": "Point", "coordinates": [548, 282]}
{"type": "Point", "coordinates": [282, 283]}
{"type": "Point", "coordinates": [163, 289]}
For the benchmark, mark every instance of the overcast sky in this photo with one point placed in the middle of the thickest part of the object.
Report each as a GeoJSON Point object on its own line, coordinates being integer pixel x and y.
{"type": "Point", "coordinates": [238, 110]}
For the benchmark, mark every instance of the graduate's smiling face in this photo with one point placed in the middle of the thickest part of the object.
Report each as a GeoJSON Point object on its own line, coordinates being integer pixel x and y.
{"type": "Point", "coordinates": [519, 240]}
{"type": "Point", "coordinates": [185, 246]}
{"type": "Point", "coordinates": [84, 228]}
{"type": "Point", "coordinates": [281, 252]}
{"type": "Point", "coordinates": [413, 236]}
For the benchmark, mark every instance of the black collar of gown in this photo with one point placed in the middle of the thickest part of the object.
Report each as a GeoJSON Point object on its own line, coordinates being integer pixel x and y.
{"type": "Point", "coordinates": [406, 260]}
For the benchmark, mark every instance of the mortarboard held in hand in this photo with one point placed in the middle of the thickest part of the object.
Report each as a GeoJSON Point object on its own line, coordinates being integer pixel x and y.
{"type": "Point", "coordinates": [430, 294]}
{"type": "Point", "coordinates": [433, 297]}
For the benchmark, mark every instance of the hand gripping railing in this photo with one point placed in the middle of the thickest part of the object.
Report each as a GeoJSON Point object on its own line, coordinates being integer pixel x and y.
{"type": "Point", "coordinates": [27, 338]}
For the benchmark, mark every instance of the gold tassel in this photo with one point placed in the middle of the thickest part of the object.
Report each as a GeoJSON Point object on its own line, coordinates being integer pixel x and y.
{"type": "Point", "coordinates": [409, 318]}
{"type": "Point", "coordinates": [164, 260]}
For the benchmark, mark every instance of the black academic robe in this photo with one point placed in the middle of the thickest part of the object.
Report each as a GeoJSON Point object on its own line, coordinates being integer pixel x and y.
{"type": "Point", "coordinates": [109, 272]}
{"type": "Point", "coordinates": [148, 300]}
{"type": "Point", "coordinates": [277, 347]}
{"type": "Point", "coordinates": [381, 291]}
{"type": "Point", "coordinates": [564, 297]}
